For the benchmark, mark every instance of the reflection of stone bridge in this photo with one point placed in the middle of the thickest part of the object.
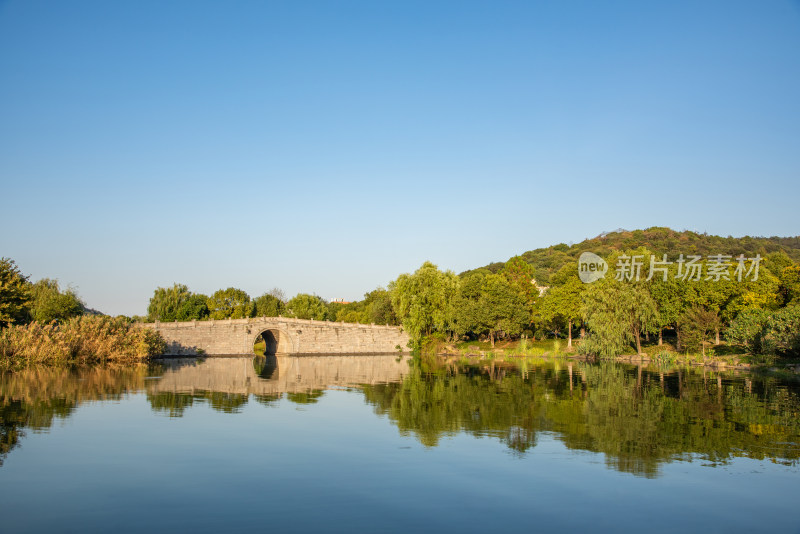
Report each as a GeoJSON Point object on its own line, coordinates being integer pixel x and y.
{"type": "Point", "coordinates": [282, 335]}
{"type": "Point", "coordinates": [273, 375]}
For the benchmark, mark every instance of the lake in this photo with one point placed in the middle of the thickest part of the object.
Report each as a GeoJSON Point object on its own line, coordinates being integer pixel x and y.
{"type": "Point", "coordinates": [389, 444]}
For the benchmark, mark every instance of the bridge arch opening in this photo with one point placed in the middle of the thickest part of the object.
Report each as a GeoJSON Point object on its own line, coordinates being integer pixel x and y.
{"type": "Point", "coordinates": [272, 341]}
{"type": "Point", "coordinates": [266, 343]}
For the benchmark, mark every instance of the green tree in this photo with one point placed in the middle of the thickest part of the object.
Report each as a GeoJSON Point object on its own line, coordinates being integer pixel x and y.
{"type": "Point", "coordinates": [193, 308]}
{"type": "Point", "coordinates": [305, 306]}
{"type": "Point", "coordinates": [268, 305]}
{"type": "Point", "coordinates": [423, 301]}
{"type": "Point", "coordinates": [670, 298]}
{"type": "Point", "coordinates": [505, 311]}
{"type": "Point", "coordinates": [694, 326]}
{"type": "Point", "coordinates": [563, 300]}
{"type": "Point", "coordinates": [488, 304]}
{"type": "Point", "coordinates": [230, 303]}
{"type": "Point", "coordinates": [790, 284]}
{"type": "Point", "coordinates": [617, 313]}
{"type": "Point", "coordinates": [14, 294]}
{"type": "Point", "coordinates": [378, 307]}
{"type": "Point", "coordinates": [166, 301]}
{"type": "Point", "coordinates": [767, 332]}
{"type": "Point", "coordinates": [520, 274]}
{"type": "Point", "coordinates": [469, 316]}
{"type": "Point", "coordinates": [49, 303]}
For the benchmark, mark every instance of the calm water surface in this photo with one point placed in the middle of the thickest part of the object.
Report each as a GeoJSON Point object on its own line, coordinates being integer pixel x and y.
{"type": "Point", "coordinates": [377, 443]}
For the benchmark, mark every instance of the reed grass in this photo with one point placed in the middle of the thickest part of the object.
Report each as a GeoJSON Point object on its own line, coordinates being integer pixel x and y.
{"type": "Point", "coordinates": [84, 339]}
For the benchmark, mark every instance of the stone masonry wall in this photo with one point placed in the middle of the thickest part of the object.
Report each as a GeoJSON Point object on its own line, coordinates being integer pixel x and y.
{"type": "Point", "coordinates": [295, 336]}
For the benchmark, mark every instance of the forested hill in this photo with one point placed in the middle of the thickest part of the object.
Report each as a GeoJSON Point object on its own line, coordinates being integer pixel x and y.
{"type": "Point", "coordinates": [549, 260]}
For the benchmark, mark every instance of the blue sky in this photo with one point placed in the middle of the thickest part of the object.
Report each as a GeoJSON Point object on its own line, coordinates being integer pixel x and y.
{"type": "Point", "coordinates": [326, 147]}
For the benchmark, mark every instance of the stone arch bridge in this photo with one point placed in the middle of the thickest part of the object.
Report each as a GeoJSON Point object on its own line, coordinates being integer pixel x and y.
{"type": "Point", "coordinates": [281, 334]}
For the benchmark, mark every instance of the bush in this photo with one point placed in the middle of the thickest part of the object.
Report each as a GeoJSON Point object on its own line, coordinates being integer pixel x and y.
{"type": "Point", "coordinates": [85, 339]}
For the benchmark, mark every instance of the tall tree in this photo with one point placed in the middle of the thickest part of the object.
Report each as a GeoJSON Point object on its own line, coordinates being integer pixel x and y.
{"type": "Point", "coordinates": [424, 301]}
{"type": "Point", "coordinates": [305, 306]}
{"type": "Point", "coordinates": [505, 310]}
{"type": "Point", "coordinates": [268, 305]}
{"type": "Point", "coordinates": [694, 326]}
{"type": "Point", "coordinates": [617, 313]}
{"type": "Point", "coordinates": [166, 301]}
{"type": "Point", "coordinates": [193, 308]}
{"type": "Point", "coordinates": [14, 295]}
{"type": "Point", "coordinates": [562, 301]}
{"type": "Point", "coordinates": [230, 303]}
{"type": "Point", "coordinates": [378, 307]}
{"type": "Point", "coordinates": [520, 274]}
{"type": "Point", "coordinates": [49, 303]}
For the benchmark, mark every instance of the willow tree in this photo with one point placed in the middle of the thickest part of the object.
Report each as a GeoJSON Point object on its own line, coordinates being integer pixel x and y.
{"type": "Point", "coordinates": [166, 301]}
{"type": "Point", "coordinates": [424, 301]}
{"type": "Point", "coordinates": [617, 313]}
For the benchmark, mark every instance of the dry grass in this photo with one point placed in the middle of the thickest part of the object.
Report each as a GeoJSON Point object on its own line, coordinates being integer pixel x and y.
{"type": "Point", "coordinates": [85, 339]}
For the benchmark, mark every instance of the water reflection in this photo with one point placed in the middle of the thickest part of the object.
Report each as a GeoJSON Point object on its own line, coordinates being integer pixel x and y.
{"type": "Point", "coordinates": [638, 418]}
{"type": "Point", "coordinates": [33, 398]}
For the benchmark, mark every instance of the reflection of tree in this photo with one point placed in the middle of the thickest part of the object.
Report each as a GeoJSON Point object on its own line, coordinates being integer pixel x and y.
{"type": "Point", "coordinates": [175, 403]}
{"type": "Point", "coordinates": [34, 397]}
{"type": "Point", "coordinates": [434, 406]}
{"type": "Point", "coordinates": [268, 400]}
{"type": "Point", "coordinates": [638, 419]}
{"type": "Point", "coordinates": [226, 402]}
{"type": "Point", "coordinates": [306, 397]}
{"type": "Point", "coordinates": [171, 403]}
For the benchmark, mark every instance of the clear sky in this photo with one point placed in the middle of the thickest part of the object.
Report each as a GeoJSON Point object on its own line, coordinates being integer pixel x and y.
{"type": "Point", "coordinates": [326, 147]}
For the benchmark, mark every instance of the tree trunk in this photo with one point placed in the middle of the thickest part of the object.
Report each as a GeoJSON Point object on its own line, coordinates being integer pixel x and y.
{"type": "Point", "coordinates": [716, 332]}
{"type": "Point", "coordinates": [638, 336]}
{"type": "Point", "coordinates": [660, 337]}
{"type": "Point", "coordinates": [569, 366]}
{"type": "Point", "coordinates": [491, 337]}
{"type": "Point", "coordinates": [569, 334]}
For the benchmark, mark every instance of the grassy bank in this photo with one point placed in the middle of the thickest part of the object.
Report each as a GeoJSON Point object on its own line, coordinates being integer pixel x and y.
{"type": "Point", "coordinates": [84, 339]}
{"type": "Point", "coordinates": [666, 354]}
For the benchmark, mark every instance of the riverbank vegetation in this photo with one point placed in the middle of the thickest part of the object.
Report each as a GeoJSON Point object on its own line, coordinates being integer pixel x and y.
{"type": "Point", "coordinates": [84, 339]}
{"type": "Point", "coordinates": [717, 313]}
{"type": "Point", "coordinates": [42, 324]}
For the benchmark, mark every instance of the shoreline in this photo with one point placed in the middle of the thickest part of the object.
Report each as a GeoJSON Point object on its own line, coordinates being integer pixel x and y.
{"type": "Point", "coordinates": [714, 363]}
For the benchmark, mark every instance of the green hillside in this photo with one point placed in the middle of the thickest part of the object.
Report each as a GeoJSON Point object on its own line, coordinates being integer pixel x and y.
{"type": "Point", "coordinates": [547, 261]}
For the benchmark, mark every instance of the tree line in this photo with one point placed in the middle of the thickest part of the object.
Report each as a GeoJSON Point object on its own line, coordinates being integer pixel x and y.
{"type": "Point", "coordinates": [44, 301]}
{"type": "Point", "coordinates": [178, 303]}
{"type": "Point", "coordinates": [762, 316]}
